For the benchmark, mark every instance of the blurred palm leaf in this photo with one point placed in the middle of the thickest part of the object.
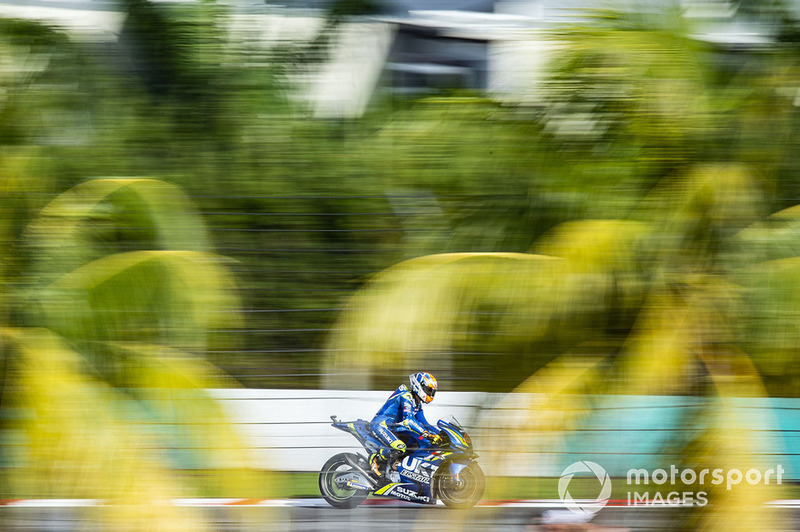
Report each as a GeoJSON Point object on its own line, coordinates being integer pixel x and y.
{"type": "Point", "coordinates": [667, 272]}
{"type": "Point", "coordinates": [94, 218]}
{"type": "Point", "coordinates": [777, 237]}
{"type": "Point", "coordinates": [705, 199]}
{"type": "Point", "coordinates": [659, 351]}
{"type": "Point", "coordinates": [735, 440]}
{"type": "Point", "coordinates": [770, 331]}
{"type": "Point", "coordinates": [164, 297]}
{"type": "Point", "coordinates": [418, 307]}
{"type": "Point", "coordinates": [172, 386]}
{"type": "Point", "coordinates": [81, 440]}
{"type": "Point", "coordinates": [530, 424]}
{"type": "Point", "coordinates": [104, 391]}
{"type": "Point", "coordinates": [603, 261]}
{"type": "Point", "coordinates": [422, 306]}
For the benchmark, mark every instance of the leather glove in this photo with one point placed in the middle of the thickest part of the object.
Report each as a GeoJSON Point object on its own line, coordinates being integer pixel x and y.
{"type": "Point", "coordinates": [433, 438]}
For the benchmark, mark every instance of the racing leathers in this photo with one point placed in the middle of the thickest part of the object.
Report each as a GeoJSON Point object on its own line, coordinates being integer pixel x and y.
{"type": "Point", "coordinates": [404, 409]}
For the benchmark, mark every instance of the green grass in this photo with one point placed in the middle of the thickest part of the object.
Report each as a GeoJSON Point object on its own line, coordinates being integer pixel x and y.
{"type": "Point", "coordinates": [282, 485]}
{"type": "Point", "coordinates": [509, 488]}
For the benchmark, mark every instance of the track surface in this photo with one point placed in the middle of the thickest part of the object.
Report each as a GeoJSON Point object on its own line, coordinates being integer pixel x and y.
{"type": "Point", "coordinates": [310, 515]}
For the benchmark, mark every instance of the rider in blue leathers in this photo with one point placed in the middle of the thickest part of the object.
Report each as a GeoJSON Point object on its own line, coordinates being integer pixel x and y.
{"type": "Point", "coordinates": [403, 407]}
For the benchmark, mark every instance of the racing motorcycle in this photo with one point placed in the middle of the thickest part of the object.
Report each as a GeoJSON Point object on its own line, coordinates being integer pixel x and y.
{"type": "Point", "coordinates": [425, 474]}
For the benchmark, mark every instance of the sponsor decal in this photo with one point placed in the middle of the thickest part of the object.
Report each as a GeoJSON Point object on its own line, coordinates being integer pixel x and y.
{"type": "Point", "coordinates": [398, 491]}
{"type": "Point", "coordinates": [418, 466]}
{"type": "Point", "coordinates": [356, 485]}
{"type": "Point", "coordinates": [412, 495]}
{"type": "Point", "coordinates": [437, 455]}
{"type": "Point", "coordinates": [417, 477]}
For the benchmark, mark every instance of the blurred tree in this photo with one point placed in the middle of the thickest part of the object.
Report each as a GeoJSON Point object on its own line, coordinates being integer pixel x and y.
{"type": "Point", "coordinates": [779, 17]}
{"type": "Point", "coordinates": [338, 13]}
{"type": "Point", "coordinates": [310, 209]}
{"type": "Point", "coordinates": [177, 49]}
{"type": "Point", "coordinates": [631, 104]}
{"type": "Point", "coordinates": [675, 270]}
{"type": "Point", "coordinates": [663, 286]}
{"type": "Point", "coordinates": [113, 294]}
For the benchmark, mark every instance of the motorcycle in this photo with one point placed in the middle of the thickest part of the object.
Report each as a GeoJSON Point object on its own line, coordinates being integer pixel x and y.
{"type": "Point", "coordinates": [425, 474]}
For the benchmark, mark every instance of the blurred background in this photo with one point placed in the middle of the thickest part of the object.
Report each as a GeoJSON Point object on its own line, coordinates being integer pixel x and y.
{"type": "Point", "coordinates": [223, 221]}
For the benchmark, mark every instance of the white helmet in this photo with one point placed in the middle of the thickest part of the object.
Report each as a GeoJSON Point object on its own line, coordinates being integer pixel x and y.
{"type": "Point", "coordinates": [423, 385]}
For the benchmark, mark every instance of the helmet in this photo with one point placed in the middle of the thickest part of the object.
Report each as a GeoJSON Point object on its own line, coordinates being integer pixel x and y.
{"type": "Point", "coordinates": [423, 385]}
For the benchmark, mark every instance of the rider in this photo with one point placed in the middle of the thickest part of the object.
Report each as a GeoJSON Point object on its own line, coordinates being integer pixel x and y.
{"type": "Point", "coordinates": [403, 407]}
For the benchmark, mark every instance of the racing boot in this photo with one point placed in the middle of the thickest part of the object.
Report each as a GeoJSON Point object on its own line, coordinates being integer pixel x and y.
{"type": "Point", "coordinates": [391, 462]}
{"type": "Point", "coordinates": [375, 464]}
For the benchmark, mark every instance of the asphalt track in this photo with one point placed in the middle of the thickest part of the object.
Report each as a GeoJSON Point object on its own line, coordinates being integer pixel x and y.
{"type": "Point", "coordinates": [307, 519]}
{"type": "Point", "coordinates": [314, 515]}
{"type": "Point", "coordinates": [503, 519]}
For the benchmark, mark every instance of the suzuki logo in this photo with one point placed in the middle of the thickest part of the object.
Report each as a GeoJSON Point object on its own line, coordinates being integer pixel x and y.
{"type": "Point", "coordinates": [416, 465]}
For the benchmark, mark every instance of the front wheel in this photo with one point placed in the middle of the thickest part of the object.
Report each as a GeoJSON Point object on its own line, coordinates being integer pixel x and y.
{"type": "Point", "coordinates": [331, 484]}
{"type": "Point", "coordinates": [463, 491]}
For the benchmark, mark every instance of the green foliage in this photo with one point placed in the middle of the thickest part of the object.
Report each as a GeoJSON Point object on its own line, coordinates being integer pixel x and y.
{"type": "Point", "coordinates": [100, 344]}
{"type": "Point", "coordinates": [634, 117]}
{"type": "Point", "coordinates": [89, 220]}
{"type": "Point", "coordinates": [613, 237]}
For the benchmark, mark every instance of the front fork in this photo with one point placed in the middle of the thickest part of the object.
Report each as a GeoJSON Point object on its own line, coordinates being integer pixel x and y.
{"type": "Point", "coordinates": [454, 470]}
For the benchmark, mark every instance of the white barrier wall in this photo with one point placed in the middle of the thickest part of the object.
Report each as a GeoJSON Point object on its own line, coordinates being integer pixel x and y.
{"type": "Point", "coordinates": [290, 430]}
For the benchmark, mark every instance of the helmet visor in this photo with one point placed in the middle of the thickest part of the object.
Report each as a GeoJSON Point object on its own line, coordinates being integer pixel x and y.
{"type": "Point", "coordinates": [430, 392]}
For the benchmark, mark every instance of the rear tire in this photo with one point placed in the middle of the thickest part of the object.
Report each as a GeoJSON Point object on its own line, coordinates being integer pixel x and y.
{"type": "Point", "coordinates": [336, 496]}
{"type": "Point", "coordinates": [464, 493]}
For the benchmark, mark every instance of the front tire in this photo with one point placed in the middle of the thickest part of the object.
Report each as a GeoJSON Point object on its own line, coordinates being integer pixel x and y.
{"type": "Point", "coordinates": [338, 496]}
{"type": "Point", "coordinates": [462, 493]}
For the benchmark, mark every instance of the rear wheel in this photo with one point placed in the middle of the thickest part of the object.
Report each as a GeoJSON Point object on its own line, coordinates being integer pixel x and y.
{"type": "Point", "coordinates": [331, 484]}
{"type": "Point", "coordinates": [462, 491]}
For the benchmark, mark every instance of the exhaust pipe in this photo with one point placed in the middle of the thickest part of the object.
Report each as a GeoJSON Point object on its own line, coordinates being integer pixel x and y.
{"type": "Point", "coordinates": [366, 475]}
